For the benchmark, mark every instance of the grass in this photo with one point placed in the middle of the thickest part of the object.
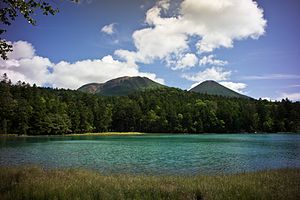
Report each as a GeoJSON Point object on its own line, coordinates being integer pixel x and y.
{"type": "Point", "coordinates": [81, 134]}
{"type": "Point", "coordinates": [8, 135]}
{"type": "Point", "coordinates": [105, 134]}
{"type": "Point", "coordinates": [37, 183]}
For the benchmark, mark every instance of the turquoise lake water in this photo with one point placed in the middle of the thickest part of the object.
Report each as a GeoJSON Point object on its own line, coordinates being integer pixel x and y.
{"type": "Point", "coordinates": [156, 154]}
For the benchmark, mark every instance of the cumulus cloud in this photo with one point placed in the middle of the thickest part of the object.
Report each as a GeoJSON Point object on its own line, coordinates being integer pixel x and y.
{"type": "Point", "coordinates": [238, 87]}
{"type": "Point", "coordinates": [23, 64]}
{"type": "Point", "coordinates": [220, 22]}
{"type": "Point", "coordinates": [291, 96]}
{"type": "Point", "coordinates": [159, 41]}
{"type": "Point", "coordinates": [187, 61]}
{"type": "Point", "coordinates": [210, 60]}
{"type": "Point", "coordinates": [109, 29]}
{"type": "Point", "coordinates": [35, 69]}
{"type": "Point", "coordinates": [217, 23]}
{"type": "Point", "coordinates": [21, 49]}
{"type": "Point", "coordinates": [164, 4]}
{"type": "Point", "coordinates": [213, 73]}
{"type": "Point", "coordinates": [73, 75]}
{"type": "Point", "coordinates": [214, 24]}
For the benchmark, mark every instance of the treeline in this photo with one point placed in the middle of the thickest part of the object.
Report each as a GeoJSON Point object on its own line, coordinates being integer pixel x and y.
{"type": "Point", "coordinates": [26, 109]}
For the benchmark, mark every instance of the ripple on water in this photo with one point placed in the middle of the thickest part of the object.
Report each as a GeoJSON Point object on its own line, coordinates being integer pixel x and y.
{"type": "Point", "coordinates": [157, 154]}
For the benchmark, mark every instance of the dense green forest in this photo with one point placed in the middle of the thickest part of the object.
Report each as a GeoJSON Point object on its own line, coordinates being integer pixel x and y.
{"type": "Point", "coordinates": [32, 110]}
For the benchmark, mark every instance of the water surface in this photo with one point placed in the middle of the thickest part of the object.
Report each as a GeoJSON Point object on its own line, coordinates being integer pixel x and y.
{"type": "Point", "coordinates": [156, 154]}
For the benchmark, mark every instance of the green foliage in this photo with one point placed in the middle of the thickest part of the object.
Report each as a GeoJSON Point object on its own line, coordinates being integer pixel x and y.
{"type": "Point", "coordinates": [31, 110]}
{"type": "Point", "coordinates": [36, 183]}
{"type": "Point", "coordinates": [5, 48]}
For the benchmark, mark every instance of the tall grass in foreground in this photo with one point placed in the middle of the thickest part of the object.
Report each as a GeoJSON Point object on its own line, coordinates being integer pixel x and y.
{"type": "Point", "coordinates": [36, 183]}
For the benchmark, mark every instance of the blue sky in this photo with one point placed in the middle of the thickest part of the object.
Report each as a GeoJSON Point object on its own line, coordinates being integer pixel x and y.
{"type": "Point", "coordinates": [250, 47]}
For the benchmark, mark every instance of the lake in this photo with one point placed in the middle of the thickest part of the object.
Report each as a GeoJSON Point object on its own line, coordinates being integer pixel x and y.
{"type": "Point", "coordinates": [156, 154]}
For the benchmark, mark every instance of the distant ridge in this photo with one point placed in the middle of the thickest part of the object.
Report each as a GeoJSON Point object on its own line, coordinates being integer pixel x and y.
{"type": "Point", "coordinates": [120, 86]}
{"type": "Point", "coordinates": [214, 88]}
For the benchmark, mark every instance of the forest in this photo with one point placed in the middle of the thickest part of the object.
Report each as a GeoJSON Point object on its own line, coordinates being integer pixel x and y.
{"type": "Point", "coordinates": [33, 110]}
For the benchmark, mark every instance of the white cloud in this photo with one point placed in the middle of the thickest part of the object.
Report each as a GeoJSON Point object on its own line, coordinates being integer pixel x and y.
{"type": "Point", "coordinates": [21, 49]}
{"type": "Point", "coordinates": [23, 64]}
{"type": "Point", "coordinates": [159, 41]}
{"type": "Point", "coordinates": [30, 70]}
{"type": "Point", "coordinates": [290, 96]}
{"type": "Point", "coordinates": [267, 98]}
{"type": "Point", "coordinates": [238, 87]}
{"type": "Point", "coordinates": [187, 61]}
{"type": "Point", "coordinates": [164, 4]}
{"type": "Point", "coordinates": [65, 74]}
{"type": "Point", "coordinates": [210, 60]}
{"type": "Point", "coordinates": [220, 22]}
{"type": "Point", "coordinates": [272, 77]}
{"type": "Point", "coordinates": [213, 73]}
{"type": "Point", "coordinates": [217, 23]}
{"type": "Point", "coordinates": [109, 29]}
{"type": "Point", "coordinates": [214, 24]}
{"type": "Point", "coordinates": [73, 75]}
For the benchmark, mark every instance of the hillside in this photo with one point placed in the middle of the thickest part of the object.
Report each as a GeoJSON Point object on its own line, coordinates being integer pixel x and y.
{"type": "Point", "coordinates": [43, 111]}
{"type": "Point", "coordinates": [120, 86]}
{"type": "Point", "coordinates": [214, 88]}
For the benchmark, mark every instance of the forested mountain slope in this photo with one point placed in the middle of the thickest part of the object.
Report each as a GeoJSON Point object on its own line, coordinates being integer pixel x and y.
{"type": "Point", "coordinates": [214, 88]}
{"type": "Point", "coordinates": [120, 86]}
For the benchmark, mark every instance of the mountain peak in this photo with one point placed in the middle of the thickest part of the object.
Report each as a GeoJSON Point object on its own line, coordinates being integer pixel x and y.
{"type": "Point", "coordinates": [213, 88]}
{"type": "Point", "coordinates": [120, 86]}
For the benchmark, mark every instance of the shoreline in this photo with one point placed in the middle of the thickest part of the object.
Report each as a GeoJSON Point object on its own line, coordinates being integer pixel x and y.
{"type": "Point", "coordinates": [79, 134]}
{"type": "Point", "coordinates": [137, 134]}
{"type": "Point", "coordinates": [105, 134]}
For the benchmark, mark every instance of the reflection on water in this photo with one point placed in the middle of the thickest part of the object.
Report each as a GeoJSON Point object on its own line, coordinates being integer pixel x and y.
{"type": "Point", "coordinates": [156, 154]}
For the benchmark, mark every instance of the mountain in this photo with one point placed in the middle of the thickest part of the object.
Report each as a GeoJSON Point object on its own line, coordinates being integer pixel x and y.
{"type": "Point", "coordinates": [120, 86]}
{"type": "Point", "coordinates": [214, 88]}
